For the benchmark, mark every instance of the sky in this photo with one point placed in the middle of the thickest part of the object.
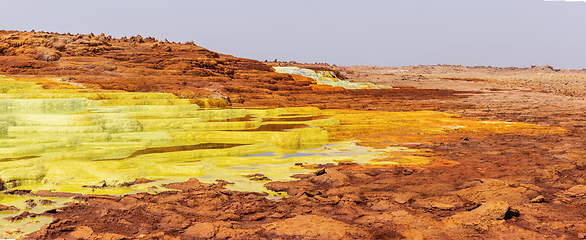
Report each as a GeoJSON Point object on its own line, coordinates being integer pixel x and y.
{"type": "Point", "coordinates": [503, 33]}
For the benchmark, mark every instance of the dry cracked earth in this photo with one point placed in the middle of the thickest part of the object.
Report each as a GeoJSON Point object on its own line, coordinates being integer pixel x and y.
{"type": "Point", "coordinates": [492, 186]}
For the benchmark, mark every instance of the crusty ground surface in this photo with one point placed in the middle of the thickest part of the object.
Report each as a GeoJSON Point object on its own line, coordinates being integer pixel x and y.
{"type": "Point", "coordinates": [502, 186]}
{"type": "Point", "coordinates": [490, 186]}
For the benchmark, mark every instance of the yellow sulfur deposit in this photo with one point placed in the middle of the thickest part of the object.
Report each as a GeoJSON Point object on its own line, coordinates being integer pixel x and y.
{"type": "Point", "coordinates": [381, 129]}
{"type": "Point", "coordinates": [74, 139]}
{"type": "Point", "coordinates": [67, 138]}
{"type": "Point", "coordinates": [63, 139]}
{"type": "Point", "coordinates": [327, 78]}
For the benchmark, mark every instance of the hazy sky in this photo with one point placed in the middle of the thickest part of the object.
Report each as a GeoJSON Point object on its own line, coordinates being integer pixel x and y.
{"type": "Point", "coordinates": [384, 33]}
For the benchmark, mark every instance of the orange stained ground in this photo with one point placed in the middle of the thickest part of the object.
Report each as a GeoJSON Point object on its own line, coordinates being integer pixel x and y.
{"type": "Point", "coordinates": [418, 131]}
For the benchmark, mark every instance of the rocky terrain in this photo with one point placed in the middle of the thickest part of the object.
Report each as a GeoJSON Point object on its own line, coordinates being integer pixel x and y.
{"type": "Point", "coordinates": [480, 184]}
{"type": "Point", "coordinates": [140, 64]}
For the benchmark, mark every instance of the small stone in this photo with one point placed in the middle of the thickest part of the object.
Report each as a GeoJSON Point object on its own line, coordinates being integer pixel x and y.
{"type": "Point", "coordinates": [489, 211]}
{"type": "Point", "coordinates": [538, 199]}
{"type": "Point", "coordinates": [82, 232]}
{"type": "Point", "coordinates": [337, 174]}
{"type": "Point", "coordinates": [30, 203]}
{"type": "Point", "coordinates": [493, 210]}
{"type": "Point", "coordinates": [576, 191]}
{"type": "Point", "coordinates": [329, 200]}
{"type": "Point", "coordinates": [403, 198]}
{"type": "Point", "coordinates": [112, 236]}
{"type": "Point", "coordinates": [8, 208]}
{"type": "Point", "coordinates": [276, 215]}
{"type": "Point", "coordinates": [21, 216]}
{"type": "Point", "coordinates": [381, 205]}
{"type": "Point", "coordinates": [46, 202]}
{"type": "Point", "coordinates": [352, 198]}
{"type": "Point", "coordinates": [446, 203]}
{"type": "Point", "coordinates": [19, 192]}
{"type": "Point", "coordinates": [330, 177]}
{"type": "Point", "coordinates": [201, 230]}
{"type": "Point", "coordinates": [173, 221]}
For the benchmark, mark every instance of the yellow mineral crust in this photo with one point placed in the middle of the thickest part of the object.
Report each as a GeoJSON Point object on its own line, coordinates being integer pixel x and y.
{"type": "Point", "coordinates": [64, 139]}
{"type": "Point", "coordinates": [380, 129]}
{"type": "Point", "coordinates": [327, 78]}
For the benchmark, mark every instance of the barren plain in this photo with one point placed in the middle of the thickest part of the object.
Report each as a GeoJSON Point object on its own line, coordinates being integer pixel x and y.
{"type": "Point", "coordinates": [439, 152]}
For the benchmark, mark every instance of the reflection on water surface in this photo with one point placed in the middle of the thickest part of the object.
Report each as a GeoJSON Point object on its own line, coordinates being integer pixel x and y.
{"type": "Point", "coordinates": [276, 127]}
{"type": "Point", "coordinates": [181, 148]}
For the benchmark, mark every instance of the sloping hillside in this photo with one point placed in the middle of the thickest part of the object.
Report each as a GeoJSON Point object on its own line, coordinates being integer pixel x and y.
{"type": "Point", "coordinates": [138, 64]}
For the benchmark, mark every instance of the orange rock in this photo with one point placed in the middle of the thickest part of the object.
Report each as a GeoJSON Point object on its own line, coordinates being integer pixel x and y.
{"type": "Point", "coordinates": [139, 64]}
